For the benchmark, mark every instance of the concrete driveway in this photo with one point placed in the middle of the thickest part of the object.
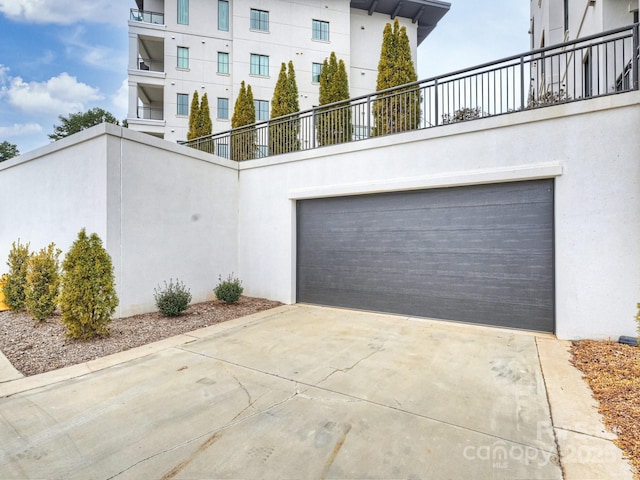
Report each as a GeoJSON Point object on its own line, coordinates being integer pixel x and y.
{"type": "Point", "coordinates": [304, 392]}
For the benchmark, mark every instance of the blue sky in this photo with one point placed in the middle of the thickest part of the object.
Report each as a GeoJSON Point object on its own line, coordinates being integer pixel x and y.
{"type": "Point", "coordinates": [63, 56]}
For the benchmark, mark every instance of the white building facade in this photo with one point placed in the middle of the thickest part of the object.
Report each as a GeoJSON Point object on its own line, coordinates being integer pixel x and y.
{"type": "Point", "coordinates": [575, 65]}
{"type": "Point", "coordinates": [558, 21]}
{"type": "Point", "coordinates": [177, 47]}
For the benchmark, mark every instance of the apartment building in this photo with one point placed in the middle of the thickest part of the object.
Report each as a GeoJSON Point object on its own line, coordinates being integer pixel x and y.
{"type": "Point", "coordinates": [558, 21]}
{"type": "Point", "coordinates": [596, 68]}
{"type": "Point", "coordinates": [177, 47]}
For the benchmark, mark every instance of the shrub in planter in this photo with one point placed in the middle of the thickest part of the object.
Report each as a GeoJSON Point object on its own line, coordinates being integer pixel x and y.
{"type": "Point", "coordinates": [88, 297]}
{"type": "Point", "coordinates": [16, 280]}
{"type": "Point", "coordinates": [229, 290]}
{"type": "Point", "coordinates": [43, 282]}
{"type": "Point", "coordinates": [173, 299]}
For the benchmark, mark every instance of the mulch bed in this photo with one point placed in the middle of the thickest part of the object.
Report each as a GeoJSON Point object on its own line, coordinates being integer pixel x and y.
{"type": "Point", "coordinates": [35, 348]}
{"type": "Point", "coordinates": [612, 370]}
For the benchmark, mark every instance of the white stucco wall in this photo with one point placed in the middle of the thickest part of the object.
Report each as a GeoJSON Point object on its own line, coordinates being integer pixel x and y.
{"type": "Point", "coordinates": [165, 211]}
{"type": "Point", "coordinates": [50, 194]}
{"type": "Point", "coordinates": [591, 148]}
{"type": "Point", "coordinates": [175, 211]}
{"type": "Point", "coordinates": [162, 210]}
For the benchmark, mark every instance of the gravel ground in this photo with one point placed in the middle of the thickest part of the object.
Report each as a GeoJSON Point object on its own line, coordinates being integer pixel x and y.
{"type": "Point", "coordinates": [612, 370]}
{"type": "Point", "coordinates": [35, 348]}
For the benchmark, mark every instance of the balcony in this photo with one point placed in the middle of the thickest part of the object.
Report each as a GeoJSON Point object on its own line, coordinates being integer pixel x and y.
{"type": "Point", "coordinates": [150, 54]}
{"type": "Point", "coordinates": [149, 104]}
{"type": "Point", "coordinates": [150, 113]}
{"type": "Point", "coordinates": [146, 16]}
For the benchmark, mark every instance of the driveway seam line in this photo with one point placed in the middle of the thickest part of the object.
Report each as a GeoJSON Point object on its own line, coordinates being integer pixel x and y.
{"type": "Point", "coordinates": [232, 423]}
{"type": "Point", "coordinates": [443, 422]}
{"type": "Point", "coordinates": [553, 427]}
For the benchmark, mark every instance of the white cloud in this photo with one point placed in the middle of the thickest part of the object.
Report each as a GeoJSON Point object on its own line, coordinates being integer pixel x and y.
{"type": "Point", "coordinates": [97, 56]}
{"type": "Point", "coordinates": [19, 129]}
{"type": "Point", "coordinates": [59, 95]}
{"type": "Point", "coordinates": [121, 99]}
{"type": "Point", "coordinates": [65, 12]}
{"type": "Point", "coordinates": [4, 74]}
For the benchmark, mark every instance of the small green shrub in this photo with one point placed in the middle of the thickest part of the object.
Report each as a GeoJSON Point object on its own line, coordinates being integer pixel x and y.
{"type": "Point", "coordinates": [88, 298]}
{"type": "Point", "coordinates": [638, 320]}
{"type": "Point", "coordinates": [43, 282]}
{"type": "Point", "coordinates": [229, 291]}
{"type": "Point", "coordinates": [16, 280]}
{"type": "Point", "coordinates": [173, 299]}
{"type": "Point", "coordinates": [462, 115]}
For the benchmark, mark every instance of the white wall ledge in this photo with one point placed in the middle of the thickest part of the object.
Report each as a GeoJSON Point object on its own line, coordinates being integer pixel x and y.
{"type": "Point", "coordinates": [447, 179]}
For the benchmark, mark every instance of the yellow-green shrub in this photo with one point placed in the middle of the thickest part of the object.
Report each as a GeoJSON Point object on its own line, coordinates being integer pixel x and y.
{"type": "Point", "coordinates": [16, 280]}
{"type": "Point", "coordinates": [88, 298]}
{"type": "Point", "coordinates": [43, 283]}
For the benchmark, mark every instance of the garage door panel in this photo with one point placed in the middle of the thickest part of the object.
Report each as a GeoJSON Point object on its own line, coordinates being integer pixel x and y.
{"type": "Point", "coordinates": [462, 218]}
{"type": "Point", "coordinates": [467, 310]}
{"type": "Point", "coordinates": [477, 241]}
{"type": "Point", "coordinates": [510, 288]}
{"type": "Point", "coordinates": [432, 263]}
{"type": "Point", "coordinates": [480, 254]}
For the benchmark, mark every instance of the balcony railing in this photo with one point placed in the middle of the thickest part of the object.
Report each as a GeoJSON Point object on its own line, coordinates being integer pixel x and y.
{"type": "Point", "coordinates": [150, 113]}
{"type": "Point", "coordinates": [146, 16]}
{"type": "Point", "coordinates": [594, 66]}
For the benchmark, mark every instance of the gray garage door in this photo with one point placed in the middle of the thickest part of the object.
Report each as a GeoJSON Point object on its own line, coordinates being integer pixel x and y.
{"type": "Point", "coordinates": [479, 254]}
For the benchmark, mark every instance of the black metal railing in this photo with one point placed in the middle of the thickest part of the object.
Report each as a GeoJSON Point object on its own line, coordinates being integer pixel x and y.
{"type": "Point", "coordinates": [593, 66]}
{"type": "Point", "coordinates": [151, 113]}
{"type": "Point", "coordinates": [146, 16]}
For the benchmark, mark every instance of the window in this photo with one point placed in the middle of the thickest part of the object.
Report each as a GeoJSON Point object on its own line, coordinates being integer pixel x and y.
{"type": "Point", "coordinates": [223, 150]}
{"type": "Point", "coordinates": [259, 65]}
{"type": "Point", "coordinates": [262, 110]}
{"type": "Point", "coordinates": [223, 15]}
{"type": "Point", "coordinates": [183, 12]}
{"type": "Point", "coordinates": [223, 108]}
{"type": "Point", "coordinates": [259, 20]}
{"type": "Point", "coordinates": [223, 62]}
{"type": "Point", "coordinates": [183, 57]}
{"type": "Point", "coordinates": [262, 151]}
{"type": "Point", "coordinates": [183, 104]}
{"type": "Point", "coordinates": [316, 69]}
{"type": "Point", "coordinates": [320, 30]}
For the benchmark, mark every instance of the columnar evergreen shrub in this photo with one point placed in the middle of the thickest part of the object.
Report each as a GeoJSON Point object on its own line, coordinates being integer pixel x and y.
{"type": "Point", "coordinates": [243, 140]}
{"type": "Point", "coordinates": [173, 299]}
{"type": "Point", "coordinates": [229, 290]}
{"type": "Point", "coordinates": [205, 126]}
{"type": "Point", "coordinates": [204, 117]}
{"type": "Point", "coordinates": [43, 282]}
{"type": "Point", "coordinates": [88, 298]}
{"type": "Point", "coordinates": [283, 133]}
{"type": "Point", "coordinates": [194, 116]}
{"type": "Point", "coordinates": [400, 110]}
{"type": "Point", "coordinates": [16, 281]}
{"type": "Point", "coordinates": [334, 125]}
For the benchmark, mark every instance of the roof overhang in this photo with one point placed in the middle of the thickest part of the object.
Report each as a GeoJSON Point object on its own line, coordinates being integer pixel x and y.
{"type": "Point", "coordinates": [426, 13]}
